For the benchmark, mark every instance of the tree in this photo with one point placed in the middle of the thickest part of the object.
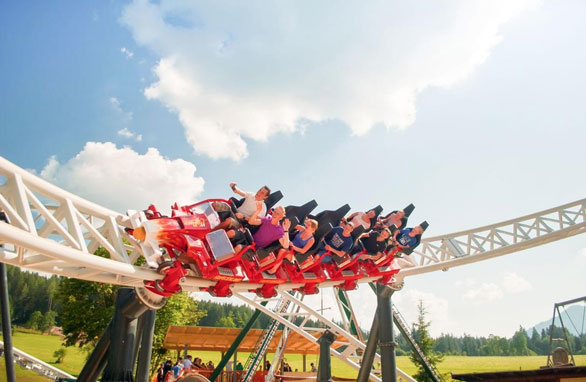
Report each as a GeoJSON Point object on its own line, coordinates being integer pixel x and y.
{"type": "Point", "coordinates": [48, 321]}
{"type": "Point", "coordinates": [426, 344]}
{"type": "Point", "coordinates": [35, 321]}
{"type": "Point", "coordinates": [180, 309]}
{"type": "Point", "coordinates": [87, 308]}
{"type": "Point", "coordinates": [60, 354]}
{"type": "Point", "coordinates": [227, 321]}
{"type": "Point", "coordinates": [519, 343]}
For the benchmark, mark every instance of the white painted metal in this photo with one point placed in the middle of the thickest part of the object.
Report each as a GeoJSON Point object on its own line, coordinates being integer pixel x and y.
{"type": "Point", "coordinates": [55, 231]}
{"type": "Point", "coordinates": [310, 333]}
{"type": "Point", "coordinates": [465, 247]}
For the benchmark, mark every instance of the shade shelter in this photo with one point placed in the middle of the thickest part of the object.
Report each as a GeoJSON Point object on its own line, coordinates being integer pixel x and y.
{"type": "Point", "coordinates": [203, 338]}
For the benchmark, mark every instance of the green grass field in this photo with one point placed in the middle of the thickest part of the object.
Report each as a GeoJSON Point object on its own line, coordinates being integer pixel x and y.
{"type": "Point", "coordinates": [43, 346]}
{"type": "Point", "coordinates": [22, 375]}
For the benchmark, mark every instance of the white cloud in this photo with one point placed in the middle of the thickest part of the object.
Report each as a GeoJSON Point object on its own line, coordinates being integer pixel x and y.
{"type": "Point", "coordinates": [436, 310]}
{"type": "Point", "coordinates": [121, 178]}
{"type": "Point", "coordinates": [236, 71]}
{"type": "Point", "coordinates": [125, 116]}
{"type": "Point", "coordinates": [509, 283]}
{"type": "Point", "coordinates": [513, 283]}
{"type": "Point", "coordinates": [483, 292]}
{"type": "Point", "coordinates": [129, 134]}
{"type": "Point", "coordinates": [126, 52]}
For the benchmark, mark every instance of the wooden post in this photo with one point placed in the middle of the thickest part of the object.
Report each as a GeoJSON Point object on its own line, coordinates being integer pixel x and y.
{"type": "Point", "coordinates": [304, 363]}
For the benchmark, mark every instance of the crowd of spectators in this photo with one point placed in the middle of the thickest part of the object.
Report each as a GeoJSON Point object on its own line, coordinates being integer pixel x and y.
{"type": "Point", "coordinates": [169, 371]}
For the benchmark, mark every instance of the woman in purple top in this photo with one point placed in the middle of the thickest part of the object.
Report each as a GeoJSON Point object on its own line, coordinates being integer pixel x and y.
{"type": "Point", "coordinates": [270, 228]}
{"type": "Point", "coordinates": [301, 243]}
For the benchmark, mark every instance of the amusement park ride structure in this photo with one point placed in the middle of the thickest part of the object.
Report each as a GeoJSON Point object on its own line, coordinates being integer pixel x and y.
{"type": "Point", "coordinates": [56, 232]}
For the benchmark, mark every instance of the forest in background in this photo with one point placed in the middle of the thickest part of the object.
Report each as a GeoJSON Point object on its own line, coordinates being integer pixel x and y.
{"type": "Point", "coordinates": [41, 303]}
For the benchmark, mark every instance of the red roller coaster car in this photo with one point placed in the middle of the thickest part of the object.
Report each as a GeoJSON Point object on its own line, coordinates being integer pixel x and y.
{"type": "Point", "coordinates": [186, 243]}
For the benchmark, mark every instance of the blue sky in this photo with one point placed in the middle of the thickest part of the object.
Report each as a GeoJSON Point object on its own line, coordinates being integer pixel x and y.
{"type": "Point", "coordinates": [474, 111]}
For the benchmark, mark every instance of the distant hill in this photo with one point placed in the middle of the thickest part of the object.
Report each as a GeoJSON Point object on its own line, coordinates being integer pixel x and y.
{"type": "Point", "coordinates": [573, 318]}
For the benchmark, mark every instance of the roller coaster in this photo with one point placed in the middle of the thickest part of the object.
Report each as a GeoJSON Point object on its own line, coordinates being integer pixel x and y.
{"type": "Point", "coordinates": [56, 232]}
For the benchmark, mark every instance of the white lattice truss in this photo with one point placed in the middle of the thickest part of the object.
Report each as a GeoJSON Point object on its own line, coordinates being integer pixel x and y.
{"type": "Point", "coordinates": [351, 344]}
{"type": "Point", "coordinates": [57, 232]}
{"type": "Point", "coordinates": [447, 251]}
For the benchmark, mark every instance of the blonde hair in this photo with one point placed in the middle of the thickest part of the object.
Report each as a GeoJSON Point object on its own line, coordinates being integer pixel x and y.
{"type": "Point", "coordinates": [311, 223]}
{"type": "Point", "coordinates": [280, 210]}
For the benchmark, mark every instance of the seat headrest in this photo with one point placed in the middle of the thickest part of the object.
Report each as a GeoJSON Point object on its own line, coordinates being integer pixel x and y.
{"type": "Point", "coordinates": [273, 199]}
{"type": "Point", "coordinates": [357, 232]}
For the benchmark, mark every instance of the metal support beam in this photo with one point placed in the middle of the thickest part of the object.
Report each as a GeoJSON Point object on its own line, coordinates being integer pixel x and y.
{"type": "Point", "coordinates": [324, 370]}
{"type": "Point", "coordinates": [369, 352]}
{"type": "Point", "coordinates": [6, 321]}
{"type": "Point", "coordinates": [123, 335]}
{"type": "Point", "coordinates": [115, 353]}
{"type": "Point", "coordinates": [97, 361]}
{"type": "Point", "coordinates": [235, 345]}
{"type": "Point", "coordinates": [146, 346]}
{"type": "Point", "coordinates": [6, 329]}
{"type": "Point", "coordinates": [386, 334]}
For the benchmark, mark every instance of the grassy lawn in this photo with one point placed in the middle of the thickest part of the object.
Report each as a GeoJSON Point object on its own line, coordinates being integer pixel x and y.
{"type": "Point", "coordinates": [22, 375]}
{"type": "Point", "coordinates": [43, 346]}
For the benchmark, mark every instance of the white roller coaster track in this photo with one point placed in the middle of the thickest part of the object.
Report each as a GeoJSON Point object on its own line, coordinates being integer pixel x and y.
{"type": "Point", "coordinates": [55, 231]}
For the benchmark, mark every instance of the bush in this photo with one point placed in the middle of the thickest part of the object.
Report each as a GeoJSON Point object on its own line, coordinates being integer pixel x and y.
{"type": "Point", "coordinates": [60, 355]}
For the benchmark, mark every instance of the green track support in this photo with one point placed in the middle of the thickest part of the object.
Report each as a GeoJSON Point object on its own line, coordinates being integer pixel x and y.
{"type": "Point", "coordinates": [412, 343]}
{"type": "Point", "coordinates": [236, 343]}
{"type": "Point", "coordinates": [353, 328]}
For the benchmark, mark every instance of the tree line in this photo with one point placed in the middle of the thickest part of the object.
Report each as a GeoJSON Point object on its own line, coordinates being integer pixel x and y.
{"type": "Point", "coordinates": [520, 343]}
{"type": "Point", "coordinates": [83, 309]}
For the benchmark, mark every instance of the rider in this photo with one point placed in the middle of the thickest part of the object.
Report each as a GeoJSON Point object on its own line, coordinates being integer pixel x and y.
{"type": "Point", "coordinates": [407, 238]}
{"type": "Point", "coordinates": [338, 242]}
{"type": "Point", "coordinates": [270, 229]}
{"type": "Point", "coordinates": [361, 218]}
{"type": "Point", "coordinates": [374, 243]}
{"type": "Point", "coordinates": [245, 210]}
{"type": "Point", "coordinates": [301, 243]}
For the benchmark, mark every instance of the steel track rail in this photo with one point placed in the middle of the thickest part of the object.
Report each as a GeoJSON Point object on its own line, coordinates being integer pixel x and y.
{"type": "Point", "coordinates": [55, 231]}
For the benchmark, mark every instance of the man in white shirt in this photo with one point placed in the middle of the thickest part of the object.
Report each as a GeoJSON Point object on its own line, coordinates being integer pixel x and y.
{"type": "Point", "coordinates": [245, 210]}
{"type": "Point", "coordinates": [187, 363]}
{"type": "Point", "coordinates": [248, 207]}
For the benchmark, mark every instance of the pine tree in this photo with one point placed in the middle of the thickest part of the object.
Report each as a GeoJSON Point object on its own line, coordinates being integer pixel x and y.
{"type": "Point", "coordinates": [426, 344]}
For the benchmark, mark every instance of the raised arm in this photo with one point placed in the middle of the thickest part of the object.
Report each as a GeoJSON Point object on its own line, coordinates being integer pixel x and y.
{"type": "Point", "coordinates": [237, 190]}
{"type": "Point", "coordinates": [284, 240]}
{"type": "Point", "coordinates": [254, 219]}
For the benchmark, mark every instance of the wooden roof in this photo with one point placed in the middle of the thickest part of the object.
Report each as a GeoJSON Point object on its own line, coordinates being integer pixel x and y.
{"type": "Point", "coordinates": [220, 339]}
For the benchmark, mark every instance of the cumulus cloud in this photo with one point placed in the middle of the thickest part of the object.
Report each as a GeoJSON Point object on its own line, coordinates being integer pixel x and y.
{"type": "Point", "coordinates": [484, 292]}
{"type": "Point", "coordinates": [125, 116]}
{"type": "Point", "coordinates": [508, 283]}
{"type": "Point", "coordinates": [436, 309]}
{"type": "Point", "coordinates": [236, 71]}
{"type": "Point", "coordinates": [129, 134]}
{"type": "Point", "coordinates": [121, 178]}
{"type": "Point", "coordinates": [126, 52]}
{"type": "Point", "coordinates": [513, 283]}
